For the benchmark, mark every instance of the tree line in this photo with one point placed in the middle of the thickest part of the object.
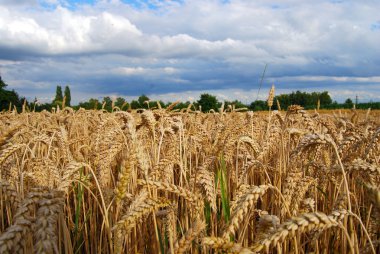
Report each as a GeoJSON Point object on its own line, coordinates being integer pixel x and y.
{"type": "Point", "coordinates": [206, 102]}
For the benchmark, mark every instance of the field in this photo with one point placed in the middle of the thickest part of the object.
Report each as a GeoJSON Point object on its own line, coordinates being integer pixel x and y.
{"type": "Point", "coordinates": [163, 181]}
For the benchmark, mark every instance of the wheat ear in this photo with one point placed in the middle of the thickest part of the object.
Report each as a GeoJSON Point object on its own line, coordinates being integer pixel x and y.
{"type": "Point", "coordinates": [246, 200]}
{"type": "Point", "coordinates": [141, 206]}
{"type": "Point", "coordinates": [185, 242]}
{"type": "Point", "coordinates": [46, 240]}
{"type": "Point", "coordinates": [13, 239]}
{"type": "Point", "coordinates": [182, 192]}
{"type": "Point", "coordinates": [300, 224]}
{"type": "Point", "coordinates": [223, 244]}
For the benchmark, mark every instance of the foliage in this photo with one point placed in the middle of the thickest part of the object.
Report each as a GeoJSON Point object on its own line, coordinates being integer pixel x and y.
{"type": "Point", "coordinates": [208, 102]}
{"type": "Point", "coordinates": [121, 103]}
{"type": "Point", "coordinates": [90, 104]}
{"type": "Point", "coordinates": [304, 99]}
{"type": "Point", "coordinates": [258, 105]}
{"type": "Point", "coordinates": [107, 102]}
{"type": "Point", "coordinates": [44, 106]}
{"type": "Point", "coordinates": [135, 104]}
{"type": "Point", "coordinates": [143, 101]}
{"type": "Point", "coordinates": [68, 96]}
{"type": "Point", "coordinates": [2, 84]}
{"type": "Point", "coordinates": [7, 97]}
{"type": "Point", "coordinates": [348, 103]}
{"type": "Point", "coordinates": [58, 96]}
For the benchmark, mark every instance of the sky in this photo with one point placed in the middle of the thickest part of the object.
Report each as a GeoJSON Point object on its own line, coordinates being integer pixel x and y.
{"type": "Point", "coordinates": [177, 49]}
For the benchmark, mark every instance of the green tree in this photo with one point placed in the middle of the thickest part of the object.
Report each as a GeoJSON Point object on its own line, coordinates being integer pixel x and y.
{"type": "Point", "coordinates": [284, 100]}
{"type": "Point", "coordinates": [68, 96]}
{"type": "Point", "coordinates": [90, 104]}
{"type": "Point", "coordinates": [142, 99]}
{"type": "Point", "coordinates": [140, 102]}
{"type": "Point", "coordinates": [258, 105]}
{"type": "Point", "coordinates": [325, 99]}
{"type": "Point", "coordinates": [307, 100]}
{"type": "Point", "coordinates": [135, 104]}
{"type": "Point", "coordinates": [44, 106]}
{"type": "Point", "coordinates": [208, 102]}
{"type": "Point", "coordinates": [348, 103]}
{"type": "Point", "coordinates": [58, 96]}
{"type": "Point", "coordinates": [2, 84]}
{"type": "Point", "coordinates": [7, 97]}
{"type": "Point", "coordinates": [121, 103]}
{"type": "Point", "coordinates": [108, 105]}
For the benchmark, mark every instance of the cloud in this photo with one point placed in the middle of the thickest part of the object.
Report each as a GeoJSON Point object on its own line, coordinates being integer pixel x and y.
{"type": "Point", "coordinates": [18, 2]}
{"type": "Point", "coordinates": [173, 47]}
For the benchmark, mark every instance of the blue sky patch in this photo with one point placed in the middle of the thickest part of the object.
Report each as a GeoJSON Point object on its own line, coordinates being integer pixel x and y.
{"type": "Point", "coordinates": [375, 26]}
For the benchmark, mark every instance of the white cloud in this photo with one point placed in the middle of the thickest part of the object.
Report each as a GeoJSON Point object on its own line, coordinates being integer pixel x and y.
{"type": "Point", "coordinates": [129, 71]}
{"type": "Point", "coordinates": [71, 33]}
{"type": "Point", "coordinates": [67, 32]}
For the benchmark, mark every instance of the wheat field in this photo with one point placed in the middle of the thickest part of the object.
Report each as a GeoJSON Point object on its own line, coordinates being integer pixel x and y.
{"type": "Point", "coordinates": [166, 181]}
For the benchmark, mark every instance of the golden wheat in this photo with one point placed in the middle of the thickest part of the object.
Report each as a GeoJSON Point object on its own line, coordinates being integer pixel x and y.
{"type": "Point", "coordinates": [182, 181]}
